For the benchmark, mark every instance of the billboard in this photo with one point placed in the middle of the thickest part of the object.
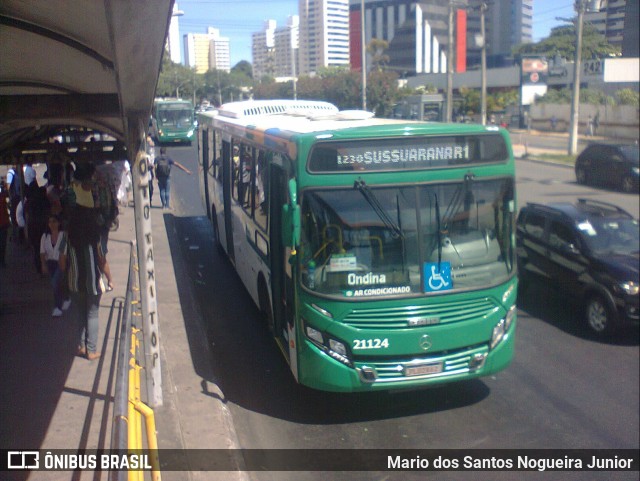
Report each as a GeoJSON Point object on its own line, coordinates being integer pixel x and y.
{"type": "Point", "coordinates": [534, 73]}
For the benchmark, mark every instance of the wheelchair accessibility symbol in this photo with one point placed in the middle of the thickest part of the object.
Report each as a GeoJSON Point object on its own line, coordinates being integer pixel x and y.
{"type": "Point", "coordinates": [435, 279]}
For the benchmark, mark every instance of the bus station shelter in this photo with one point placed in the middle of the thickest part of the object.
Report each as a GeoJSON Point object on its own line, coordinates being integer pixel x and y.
{"type": "Point", "coordinates": [71, 72]}
{"type": "Point", "coordinates": [82, 65]}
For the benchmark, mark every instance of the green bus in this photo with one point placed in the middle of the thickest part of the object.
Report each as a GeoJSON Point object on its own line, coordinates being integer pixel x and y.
{"type": "Point", "coordinates": [173, 121]}
{"type": "Point", "coordinates": [380, 251]}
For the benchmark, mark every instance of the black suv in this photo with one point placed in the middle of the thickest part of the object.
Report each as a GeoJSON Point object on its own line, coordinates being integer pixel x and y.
{"type": "Point", "coordinates": [589, 250]}
{"type": "Point", "coordinates": [615, 165]}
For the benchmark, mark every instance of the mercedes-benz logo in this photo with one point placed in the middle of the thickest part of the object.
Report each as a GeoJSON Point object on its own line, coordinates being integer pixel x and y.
{"type": "Point", "coordinates": [425, 342]}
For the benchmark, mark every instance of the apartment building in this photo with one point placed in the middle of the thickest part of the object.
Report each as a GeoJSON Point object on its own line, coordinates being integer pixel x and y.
{"type": "Point", "coordinates": [206, 51]}
{"type": "Point", "coordinates": [617, 20]}
{"type": "Point", "coordinates": [417, 32]}
{"type": "Point", "coordinates": [324, 34]}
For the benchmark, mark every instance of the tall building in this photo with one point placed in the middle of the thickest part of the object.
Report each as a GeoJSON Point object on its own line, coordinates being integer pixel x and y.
{"type": "Point", "coordinates": [206, 51]}
{"type": "Point", "coordinates": [617, 20]}
{"type": "Point", "coordinates": [418, 32]}
{"type": "Point", "coordinates": [262, 50]}
{"type": "Point", "coordinates": [219, 52]}
{"type": "Point", "coordinates": [324, 34]}
{"type": "Point", "coordinates": [173, 38]}
{"type": "Point", "coordinates": [286, 48]}
{"type": "Point", "coordinates": [508, 23]}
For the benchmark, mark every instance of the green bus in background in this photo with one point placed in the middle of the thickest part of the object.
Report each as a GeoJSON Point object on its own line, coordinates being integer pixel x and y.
{"type": "Point", "coordinates": [381, 252]}
{"type": "Point", "coordinates": [173, 121]}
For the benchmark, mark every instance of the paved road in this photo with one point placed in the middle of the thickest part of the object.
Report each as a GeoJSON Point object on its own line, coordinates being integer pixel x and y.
{"type": "Point", "coordinates": [543, 182]}
{"type": "Point", "coordinates": [563, 390]}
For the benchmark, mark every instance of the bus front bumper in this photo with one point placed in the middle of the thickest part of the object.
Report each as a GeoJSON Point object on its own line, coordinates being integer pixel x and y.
{"type": "Point", "coordinates": [319, 370]}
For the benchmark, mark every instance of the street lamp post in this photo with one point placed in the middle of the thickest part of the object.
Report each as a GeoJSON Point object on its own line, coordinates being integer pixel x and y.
{"type": "Point", "coordinates": [581, 6]}
{"type": "Point", "coordinates": [449, 112]}
{"type": "Point", "coordinates": [364, 53]}
{"type": "Point", "coordinates": [483, 67]}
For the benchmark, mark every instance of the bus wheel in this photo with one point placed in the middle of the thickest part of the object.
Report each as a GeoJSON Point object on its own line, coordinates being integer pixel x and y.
{"type": "Point", "coordinates": [265, 305]}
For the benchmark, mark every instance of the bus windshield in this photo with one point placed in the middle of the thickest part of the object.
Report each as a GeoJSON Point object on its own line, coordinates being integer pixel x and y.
{"type": "Point", "coordinates": [370, 241]}
{"type": "Point", "coordinates": [174, 117]}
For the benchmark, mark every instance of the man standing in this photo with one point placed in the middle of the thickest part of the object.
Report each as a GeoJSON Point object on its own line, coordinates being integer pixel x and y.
{"type": "Point", "coordinates": [163, 164]}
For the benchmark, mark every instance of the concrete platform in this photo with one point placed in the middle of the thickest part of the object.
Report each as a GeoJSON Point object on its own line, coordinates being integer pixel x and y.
{"type": "Point", "coordinates": [52, 399]}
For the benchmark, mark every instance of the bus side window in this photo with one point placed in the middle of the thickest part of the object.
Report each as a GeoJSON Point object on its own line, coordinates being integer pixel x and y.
{"type": "Point", "coordinates": [247, 155]}
{"type": "Point", "coordinates": [235, 179]}
{"type": "Point", "coordinates": [260, 183]}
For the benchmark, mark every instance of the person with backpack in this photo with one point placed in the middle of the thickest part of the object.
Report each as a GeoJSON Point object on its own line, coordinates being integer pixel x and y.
{"type": "Point", "coordinates": [163, 164]}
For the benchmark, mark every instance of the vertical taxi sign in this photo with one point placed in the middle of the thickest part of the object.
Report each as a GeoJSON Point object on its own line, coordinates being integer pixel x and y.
{"type": "Point", "coordinates": [148, 293]}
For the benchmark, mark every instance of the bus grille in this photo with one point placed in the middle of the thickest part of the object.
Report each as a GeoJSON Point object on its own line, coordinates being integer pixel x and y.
{"type": "Point", "coordinates": [419, 316]}
{"type": "Point", "coordinates": [458, 362]}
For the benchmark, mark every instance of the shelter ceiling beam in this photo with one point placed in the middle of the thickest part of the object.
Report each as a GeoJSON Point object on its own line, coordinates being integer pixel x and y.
{"type": "Point", "coordinates": [38, 107]}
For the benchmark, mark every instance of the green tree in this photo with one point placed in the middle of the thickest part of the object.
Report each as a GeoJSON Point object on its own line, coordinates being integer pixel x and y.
{"type": "Point", "coordinates": [627, 97]}
{"type": "Point", "coordinates": [243, 67]}
{"type": "Point", "coordinates": [382, 92]}
{"type": "Point", "coordinates": [587, 96]}
{"type": "Point", "coordinates": [221, 87]}
{"type": "Point", "coordinates": [556, 96]}
{"type": "Point", "coordinates": [376, 48]}
{"type": "Point", "coordinates": [470, 100]}
{"type": "Point", "coordinates": [562, 41]}
{"type": "Point", "coordinates": [175, 80]}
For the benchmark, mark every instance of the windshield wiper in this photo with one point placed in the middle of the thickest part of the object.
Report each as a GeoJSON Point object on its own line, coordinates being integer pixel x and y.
{"type": "Point", "coordinates": [373, 201]}
{"type": "Point", "coordinates": [438, 231]}
{"type": "Point", "coordinates": [461, 198]}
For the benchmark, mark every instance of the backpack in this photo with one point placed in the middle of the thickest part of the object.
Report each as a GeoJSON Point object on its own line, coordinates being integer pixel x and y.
{"type": "Point", "coordinates": [163, 167]}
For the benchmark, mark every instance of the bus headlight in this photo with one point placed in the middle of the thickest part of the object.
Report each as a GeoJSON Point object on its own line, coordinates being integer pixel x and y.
{"type": "Point", "coordinates": [337, 347]}
{"type": "Point", "coordinates": [315, 335]}
{"type": "Point", "coordinates": [332, 347]}
{"type": "Point", "coordinates": [498, 334]}
{"type": "Point", "coordinates": [511, 314]}
{"type": "Point", "coordinates": [190, 133]}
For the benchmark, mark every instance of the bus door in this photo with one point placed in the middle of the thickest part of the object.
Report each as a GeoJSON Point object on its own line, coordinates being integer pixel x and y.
{"type": "Point", "coordinates": [227, 183]}
{"type": "Point", "coordinates": [282, 281]}
{"type": "Point", "coordinates": [204, 153]}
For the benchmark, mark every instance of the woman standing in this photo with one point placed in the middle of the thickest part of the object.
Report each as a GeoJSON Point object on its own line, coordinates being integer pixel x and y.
{"type": "Point", "coordinates": [83, 259]}
{"type": "Point", "coordinates": [50, 244]}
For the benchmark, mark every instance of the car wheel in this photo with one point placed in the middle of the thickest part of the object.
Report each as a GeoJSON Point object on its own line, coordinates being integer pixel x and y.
{"type": "Point", "coordinates": [581, 175]}
{"type": "Point", "coordinates": [599, 316]}
{"type": "Point", "coordinates": [627, 185]}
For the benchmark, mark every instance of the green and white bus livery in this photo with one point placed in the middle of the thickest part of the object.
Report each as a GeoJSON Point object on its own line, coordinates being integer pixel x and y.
{"type": "Point", "coordinates": [381, 252]}
{"type": "Point", "coordinates": [173, 121]}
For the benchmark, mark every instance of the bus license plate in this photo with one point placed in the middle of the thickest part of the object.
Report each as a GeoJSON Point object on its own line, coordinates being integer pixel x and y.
{"type": "Point", "coordinates": [423, 369]}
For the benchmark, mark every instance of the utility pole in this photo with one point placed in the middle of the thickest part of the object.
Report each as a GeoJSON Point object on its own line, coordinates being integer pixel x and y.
{"type": "Point", "coordinates": [293, 68]}
{"type": "Point", "coordinates": [364, 57]}
{"type": "Point", "coordinates": [483, 67]}
{"type": "Point", "coordinates": [581, 6]}
{"type": "Point", "coordinates": [449, 113]}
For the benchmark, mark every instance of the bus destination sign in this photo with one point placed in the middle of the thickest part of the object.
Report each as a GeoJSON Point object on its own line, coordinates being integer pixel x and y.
{"type": "Point", "coordinates": [407, 153]}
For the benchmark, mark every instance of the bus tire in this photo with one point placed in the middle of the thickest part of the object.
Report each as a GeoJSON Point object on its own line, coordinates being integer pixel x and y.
{"type": "Point", "coordinates": [265, 304]}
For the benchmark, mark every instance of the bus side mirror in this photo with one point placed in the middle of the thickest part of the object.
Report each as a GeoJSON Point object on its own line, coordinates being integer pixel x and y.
{"type": "Point", "coordinates": [291, 219]}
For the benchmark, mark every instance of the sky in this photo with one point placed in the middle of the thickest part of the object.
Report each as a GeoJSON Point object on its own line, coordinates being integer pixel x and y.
{"type": "Point", "coordinates": [238, 19]}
